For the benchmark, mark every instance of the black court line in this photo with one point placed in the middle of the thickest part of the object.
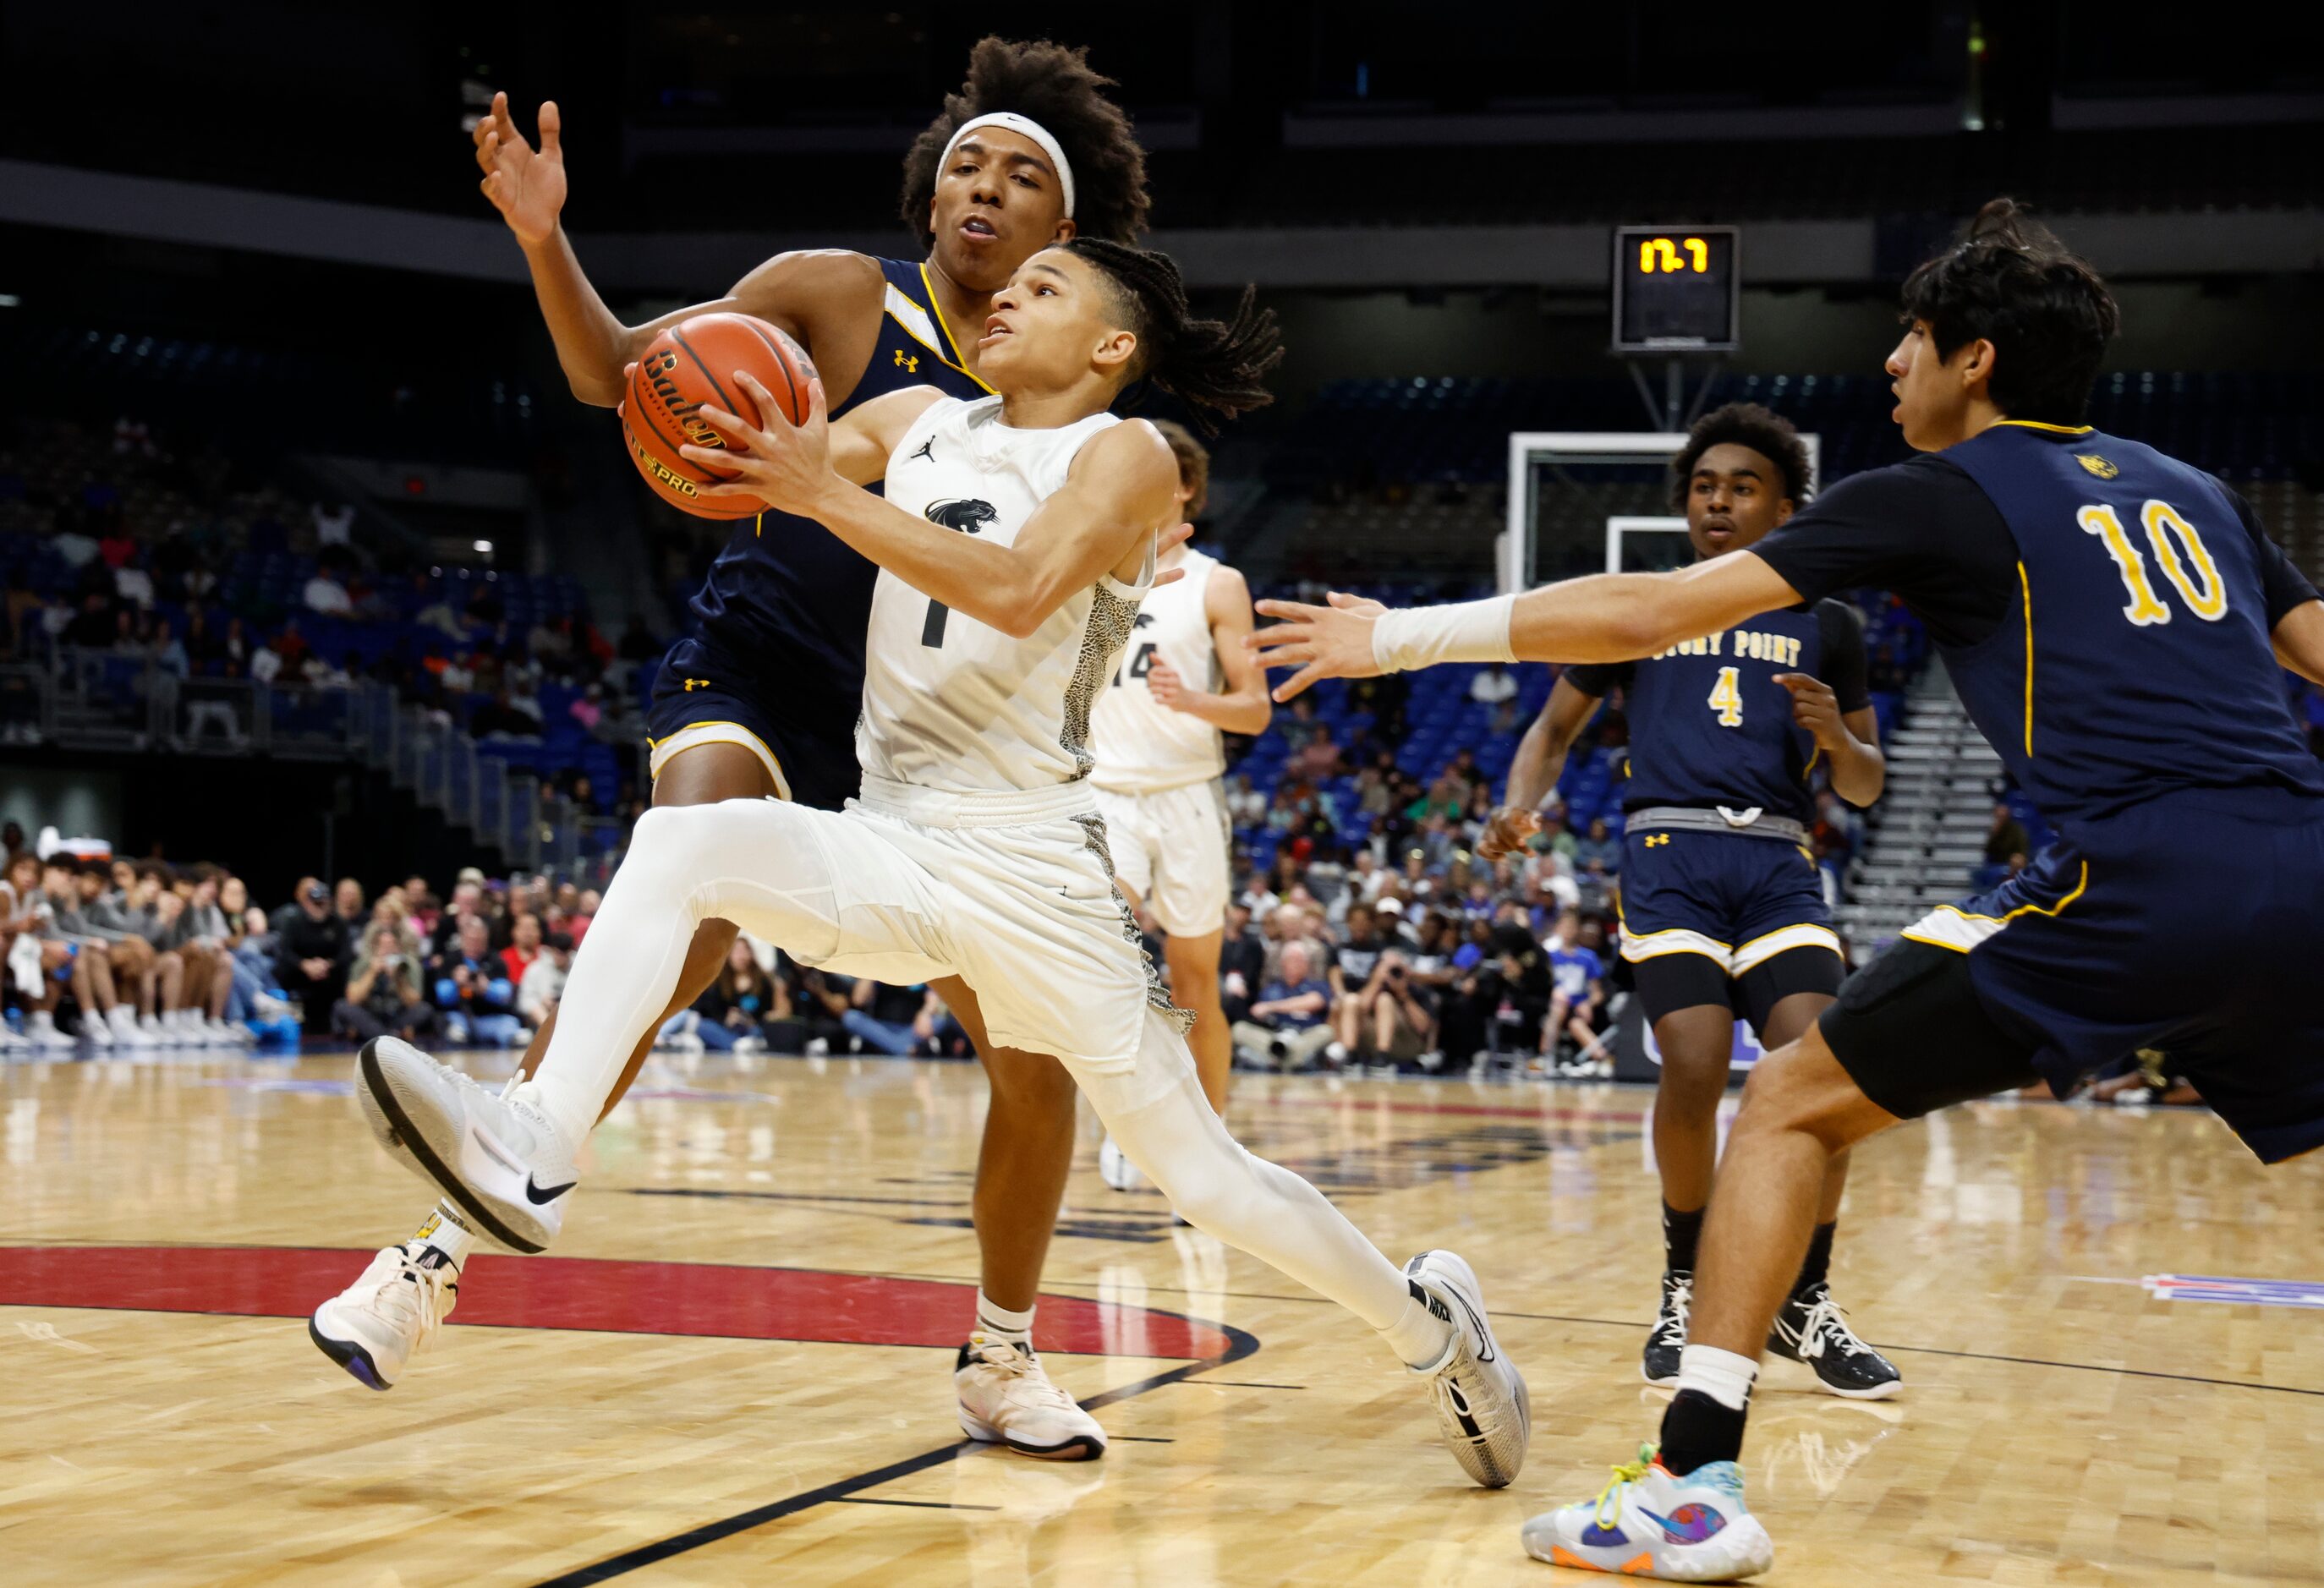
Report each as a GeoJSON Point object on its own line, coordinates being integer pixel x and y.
{"type": "Point", "coordinates": [1240, 1384]}
{"type": "Point", "coordinates": [1138, 1439]}
{"type": "Point", "coordinates": [915, 1504]}
{"type": "Point", "coordinates": [1241, 1343]}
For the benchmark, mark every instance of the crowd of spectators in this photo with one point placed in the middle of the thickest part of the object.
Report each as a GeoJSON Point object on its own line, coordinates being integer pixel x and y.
{"type": "Point", "coordinates": [166, 555]}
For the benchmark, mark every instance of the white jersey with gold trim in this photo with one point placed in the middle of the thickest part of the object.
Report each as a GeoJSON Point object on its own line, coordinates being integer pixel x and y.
{"type": "Point", "coordinates": [1142, 746]}
{"type": "Point", "coordinates": [948, 702]}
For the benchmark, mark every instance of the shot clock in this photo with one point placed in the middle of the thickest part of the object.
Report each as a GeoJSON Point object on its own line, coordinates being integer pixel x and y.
{"type": "Point", "coordinates": [1676, 289]}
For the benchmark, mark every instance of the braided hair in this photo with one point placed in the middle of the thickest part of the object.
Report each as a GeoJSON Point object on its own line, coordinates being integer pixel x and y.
{"type": "Point", "coordinates": [1218, 368]}
{"type": "Point", "coordinates": [1055, 86]}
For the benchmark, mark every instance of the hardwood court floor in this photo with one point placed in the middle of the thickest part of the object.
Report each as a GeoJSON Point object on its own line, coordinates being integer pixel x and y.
{"type": "Point", "coordinates": [736, 1367]}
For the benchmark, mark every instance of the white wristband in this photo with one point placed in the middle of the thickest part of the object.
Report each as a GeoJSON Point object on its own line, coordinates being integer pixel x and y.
{"type": "Point", "coordinates": [1408, 638]}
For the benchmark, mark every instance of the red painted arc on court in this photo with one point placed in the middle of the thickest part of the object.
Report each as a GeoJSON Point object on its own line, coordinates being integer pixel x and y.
{"type": "Point", "coordinates": [613, 1295]}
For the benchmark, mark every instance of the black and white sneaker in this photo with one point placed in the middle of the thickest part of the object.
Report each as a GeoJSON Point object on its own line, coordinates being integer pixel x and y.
{"type": "Point", "coordinates": [1812, 1330]}
{"type": "Point", "coordinates": [1667, 1338]}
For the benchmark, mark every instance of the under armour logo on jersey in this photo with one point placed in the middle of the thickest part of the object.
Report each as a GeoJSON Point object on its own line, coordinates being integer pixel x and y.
{"type": "Point", "coordinates": [909, 363]}
{"type": "Point", "coordinates": [694, 684]}
{"type": "Point", "coordinates": [1653, 839]}
{"type": "Point", "coordinates": [927, 450]}
{"type": "Point", "coordinates": [965, 513]}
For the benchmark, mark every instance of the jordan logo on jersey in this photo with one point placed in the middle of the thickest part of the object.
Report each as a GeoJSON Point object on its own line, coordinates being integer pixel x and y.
{"type": "Point", "coordinates": [927, 450]}
{"type": "Point", "coordinates": [965, 513]}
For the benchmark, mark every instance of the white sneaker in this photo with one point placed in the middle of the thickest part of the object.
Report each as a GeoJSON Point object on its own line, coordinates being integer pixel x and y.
{"type": "Point", "coordinates": [42, 1032]}
{"type": "Point", "coordinates": [126, 1032]}
{"type": "Point", "coordinates": [1116, 1170]}
{"type": "Point", "coordinates": [499, 1158]}
{"type": "Point", "coordinates": [156, 1034]}
{"type": "Point", "coordinates": [684, 1042]}
{"type": "Point", "coordinates": [12, 1043]}
{"type": "Point", "coordinates": [228, 1032]}
{"type": "Point", "coordinates": [745, 1047]}
{"type": "Point", "coordinates": [1646, 1523]}
{"type": "Point", "coordinates": [1006, 1398]}
{"type": "Point", "coordinates": [375, 1325]}
{"type": "Point", "coordinates": [1481, 1405]}
{"type": "Point", "coordinates": [99, 1033]}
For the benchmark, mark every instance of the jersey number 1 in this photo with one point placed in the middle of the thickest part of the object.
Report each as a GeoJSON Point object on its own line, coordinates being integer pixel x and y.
{"type": "Point", "coordinates": [1727, 698]}
{"type": "Point", "coordinates": [932, 630]}
{"type": "Point", "coordinates": [2205, 592]}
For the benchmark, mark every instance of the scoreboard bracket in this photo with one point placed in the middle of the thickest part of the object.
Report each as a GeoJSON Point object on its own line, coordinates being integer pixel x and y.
{"type": "Point", "coordinates": [1677, 294]}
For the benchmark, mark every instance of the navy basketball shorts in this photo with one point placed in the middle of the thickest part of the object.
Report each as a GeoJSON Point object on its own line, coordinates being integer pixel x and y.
{"type": "Point", "coordinates": [2188, 927]}
{"type": "Point", "coordinates": [1724, 918]}
{"type": "Point", "coordinates": [700, 697]}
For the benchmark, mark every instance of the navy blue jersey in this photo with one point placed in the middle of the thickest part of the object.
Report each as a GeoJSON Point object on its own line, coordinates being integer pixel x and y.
{"type": "Point", "coordinates": [2104, 611]}
{"type": "Point", "coordinates": [1711, 726]}
{"type": "Point", "coordinates": [786, 603]}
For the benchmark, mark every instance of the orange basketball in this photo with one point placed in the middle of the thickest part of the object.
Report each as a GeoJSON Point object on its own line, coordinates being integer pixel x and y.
{"type": "Point", "coordinates": [693, 363]}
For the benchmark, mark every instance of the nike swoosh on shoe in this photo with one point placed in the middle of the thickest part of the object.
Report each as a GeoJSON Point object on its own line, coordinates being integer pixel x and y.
{"type": "Point", "coordinates": [542, 1195]}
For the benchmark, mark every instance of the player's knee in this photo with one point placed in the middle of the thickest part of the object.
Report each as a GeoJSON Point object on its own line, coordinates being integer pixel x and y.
{"type": "Point", "coordinates": [1033, 1086]}
{"type": "Point", "coordinates": [1796, 1090]}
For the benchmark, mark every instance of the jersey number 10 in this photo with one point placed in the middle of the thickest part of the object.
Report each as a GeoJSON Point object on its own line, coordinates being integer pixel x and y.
{"type": "Point", "coordinates": [2205, 592]}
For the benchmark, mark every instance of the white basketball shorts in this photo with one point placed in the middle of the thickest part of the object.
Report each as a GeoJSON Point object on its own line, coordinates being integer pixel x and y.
{"type": "Point", "coordinates": [1170, 849]}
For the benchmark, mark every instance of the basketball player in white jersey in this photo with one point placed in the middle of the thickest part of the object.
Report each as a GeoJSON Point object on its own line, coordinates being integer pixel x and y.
{"type": "Point", "coordinates": [1185, 677]}
{"type": "Point", "coordinates": [1015, 541]}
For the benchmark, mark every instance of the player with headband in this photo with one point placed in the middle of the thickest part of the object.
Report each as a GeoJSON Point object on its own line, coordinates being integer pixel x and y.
{"type": "Point", "coordinates": [761, 699]}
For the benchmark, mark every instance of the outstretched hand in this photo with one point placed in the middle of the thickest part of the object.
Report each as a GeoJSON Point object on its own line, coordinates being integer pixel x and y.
{"type": "Point", "coordinates": [1332, 642]}
{"type": "Point", "coordinates": [786, 465]}
{"type": "Point", "coordinates": [525, 185]}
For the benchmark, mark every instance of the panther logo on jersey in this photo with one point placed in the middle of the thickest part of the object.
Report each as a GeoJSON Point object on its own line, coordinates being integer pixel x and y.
{"type": "Point", "coordinates": [965, 513]}
{"type": "Point", "coordinates": [2103, 468]}
{"type": "Point", "coordinates": [1145, 620]}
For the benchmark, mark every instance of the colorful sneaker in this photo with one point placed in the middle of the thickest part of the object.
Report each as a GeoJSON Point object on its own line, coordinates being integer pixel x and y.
{"type": "Point", "coordinates": [1481, 1405]}
{"type": "Point", "coordinates": [1646, 1523]}
{"type": "Point", "coordinates": [1813, 1331]}
{"type": "Point", "coordinates": [375, 1326]}
{"type": "Point", "coordinates": [499, 1158]}
{"type": "Point", "coordinates": [1006, 1398]}
{"type": "Point", "coordinates": [1667, 1338]}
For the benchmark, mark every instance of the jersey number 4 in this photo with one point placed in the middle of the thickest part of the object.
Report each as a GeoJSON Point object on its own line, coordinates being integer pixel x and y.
{"type": "Point", "coordinates": [2200, 587]}
{"type": "Point", "coordinates": [1727, 698]}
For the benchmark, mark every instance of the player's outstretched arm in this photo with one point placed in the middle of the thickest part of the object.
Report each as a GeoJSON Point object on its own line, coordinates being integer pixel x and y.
{"type": "Point", "coordinates": [1539, 763]}
{"type": "Point", "coordinates": [819, 296]}
{"type": "Point", "coordinates": [1120, 489]}
{"type": "Point", "coordinates": [1605, 617]}
{"type": "Point", "coordinates": [1240, 706]}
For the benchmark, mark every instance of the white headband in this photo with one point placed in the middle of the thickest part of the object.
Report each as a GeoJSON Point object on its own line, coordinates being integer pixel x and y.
{"type": "Point", "coordinates": [1023, 126]}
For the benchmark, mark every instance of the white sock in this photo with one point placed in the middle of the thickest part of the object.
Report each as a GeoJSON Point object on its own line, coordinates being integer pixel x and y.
{"type": "Point", "coordinates": [1723, 1375]}
{"type": "Point", "coordinates": [996, 1322]}
{"type": "Point", "coordinates": [1419, 1336]}
{"type": "Point", "coordinates": [446, 1234]}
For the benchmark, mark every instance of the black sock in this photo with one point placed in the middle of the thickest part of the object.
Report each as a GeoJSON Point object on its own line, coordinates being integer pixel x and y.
{"type": "Point", "coordinates": [1697, 1431]}
{"type": "Point", "coordinates": [1679, 1232]}
{"type": "Point", "coordinates": [1818, 1267]}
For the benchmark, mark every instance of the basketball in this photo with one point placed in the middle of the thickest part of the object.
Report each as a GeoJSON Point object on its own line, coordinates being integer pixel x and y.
{"type": "Point", "coordinates": [691, 364]}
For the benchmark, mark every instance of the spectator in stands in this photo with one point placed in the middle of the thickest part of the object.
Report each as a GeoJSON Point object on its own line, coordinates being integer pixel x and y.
{"type": "Point", "coordinates": [348, 904]}
{"type": "Point", "coordinates": [384, 992]}
{"type": "Point", "coordinates": [334, 524]}
{"type": "Point", "coordinates": [1496, 687]}
{"type": "Point", "coordinates": [543, 982]}
{"type": "Point", "coordinates": [895, 1020]}
{"type": "Point", "coordinates": [1242, 962]}
{"type": "Point", "coordinates": [523, 947]}
{"type": "Point", "coordinates": [1599, 848]}
{"type": "Point", "coordinates": [2006, 837]}
{"type": "Point", "coordinates": [325, 593]}
{"type": "Point", "coordinates": [1350, 972]}
{"type": "Point", "coordinates": [1577, 997]}
{"type": "Point", "coordinates": [477, 1002]}
{"type": "Point", "coordinates": [1286, 1026]}
{"type": "Point", "coordinates": [311, 957]}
